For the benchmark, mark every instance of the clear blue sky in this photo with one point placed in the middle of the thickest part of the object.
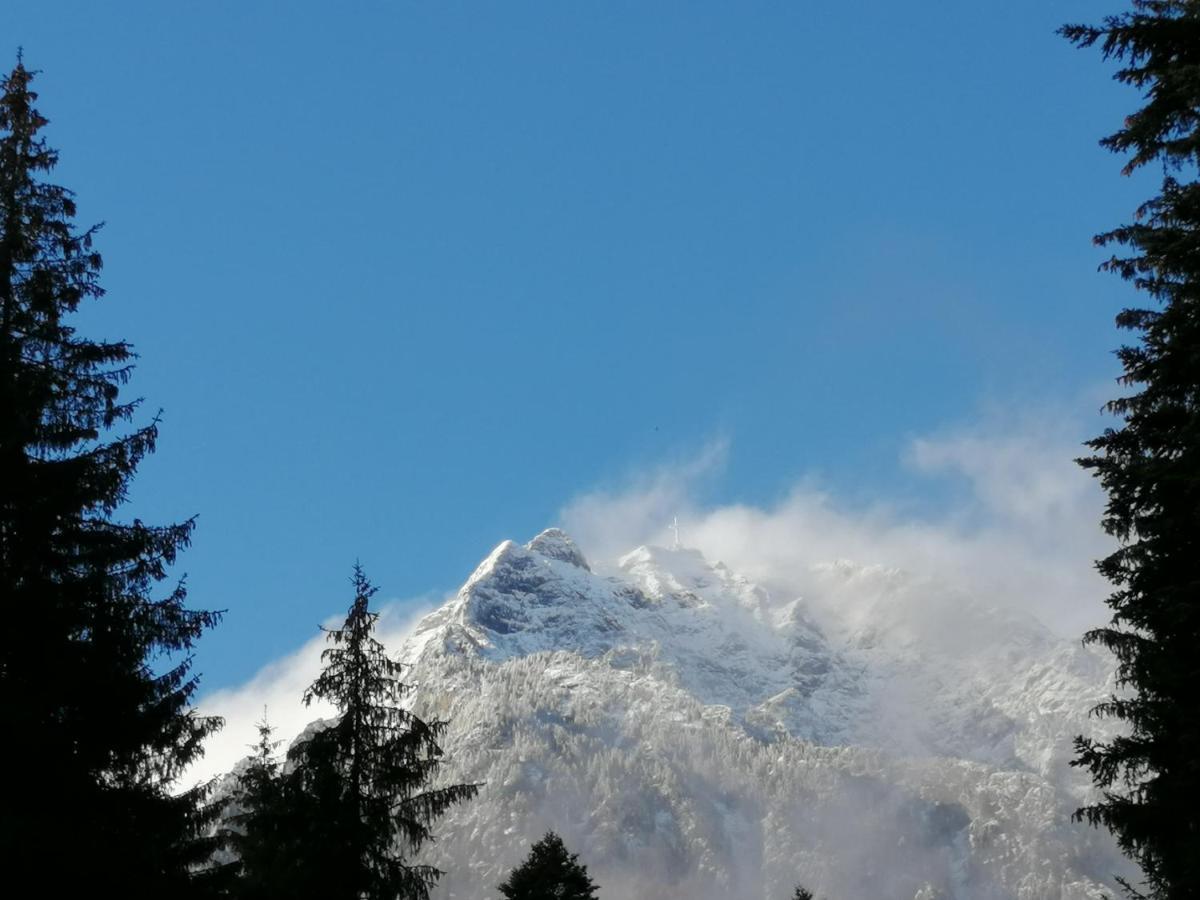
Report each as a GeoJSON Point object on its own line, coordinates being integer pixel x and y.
{"type": "Point", "coordinates": [406, 276]}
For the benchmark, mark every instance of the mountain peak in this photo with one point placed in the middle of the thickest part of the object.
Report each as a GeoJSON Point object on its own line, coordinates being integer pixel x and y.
{"type": "Point", "coordinates": [711, 730]}
{"type": "Point", "coordinates": [557, 544]}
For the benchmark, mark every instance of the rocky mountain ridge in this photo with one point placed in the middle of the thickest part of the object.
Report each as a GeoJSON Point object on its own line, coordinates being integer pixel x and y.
{"type": "Point", "coordinates": [691, 735]}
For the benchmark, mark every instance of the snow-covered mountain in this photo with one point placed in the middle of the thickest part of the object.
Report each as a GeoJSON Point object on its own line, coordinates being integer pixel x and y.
{"type": "Point", "coordinates": [691, 735]}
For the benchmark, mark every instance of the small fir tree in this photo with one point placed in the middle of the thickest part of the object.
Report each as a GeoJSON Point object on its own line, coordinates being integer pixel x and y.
{"type": "Point", "coordinates": [549, 873]}
{"type": "Point", "coordinates": [95, 679]}
{"type": "Point", "coordinates": [361, 785]}
{"type": "Point", "coordinates": [259, 831]}
{"type": "Point", "coordinates": [802, 893]}
{"type": "Point", "coordinates": [1149, 776]}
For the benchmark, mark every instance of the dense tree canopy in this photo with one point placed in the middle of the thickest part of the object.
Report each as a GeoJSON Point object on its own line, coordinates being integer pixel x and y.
{"type": "Point", "coordinates": [1150, 465]}
{"type": "Point", "coordinates": [550, 872]}
{"type": "Point", "coordinates": [94, 672]}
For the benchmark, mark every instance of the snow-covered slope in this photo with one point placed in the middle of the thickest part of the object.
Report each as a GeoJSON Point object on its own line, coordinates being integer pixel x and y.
{"type": "Point", "coordinates": [692, 736]}
{"type": "Point", "coordinates": [711, 632]}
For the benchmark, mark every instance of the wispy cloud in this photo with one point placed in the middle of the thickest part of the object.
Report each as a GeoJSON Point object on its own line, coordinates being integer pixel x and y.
{"type": "Point", "coordinates": [1024, 533]}
{"type": "Point", "coordinates": [640, 510]}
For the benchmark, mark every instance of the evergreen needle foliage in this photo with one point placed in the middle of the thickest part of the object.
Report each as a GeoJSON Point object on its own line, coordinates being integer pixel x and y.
{"type": "Point", "coordinates": [259, 829]}
{"type": "Point", "coordinates": [549, 873]}
{"type": "Point", "coordinates": [802, 893]}
{"type": "Point", "coordinates": [94, 671]}
{"type": "Point", "coordinates": [356, 802]}
{"type": "Point", "coordinates": [1150, 465]}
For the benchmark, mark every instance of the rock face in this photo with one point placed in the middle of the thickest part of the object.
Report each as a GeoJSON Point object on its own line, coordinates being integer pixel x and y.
{"type": "Point", "coordinates": [690, 735]}
{"type": "Point", "coordinates": [555, 544]}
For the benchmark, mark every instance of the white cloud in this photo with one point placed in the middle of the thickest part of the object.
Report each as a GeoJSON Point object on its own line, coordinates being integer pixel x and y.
{"type": "Point", "coordinates": [278, 688]}
{"type": "Point", "coordinates": [1025, 535]}
{"type": "Point", "coordinates": [608, 523]}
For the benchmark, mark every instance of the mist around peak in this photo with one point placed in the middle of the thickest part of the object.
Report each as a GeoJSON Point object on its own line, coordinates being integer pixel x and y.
{"type": "Point", "coordinates": [711, 710]}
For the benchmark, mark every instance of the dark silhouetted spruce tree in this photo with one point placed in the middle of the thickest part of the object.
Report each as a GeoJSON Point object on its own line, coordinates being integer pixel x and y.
{"type": "Point", "coordinates": [1150, 465]}
{"type": "Point", "coordinates": [802, 893]}
{"type": "Point", "coordinates": [362, 784]}
{"type": "Point", "coordinates": [261, 826]}
{"type": "Point", "coordinates": [94, 666]}
{"type": "Point", "coordinates": [549, 873]}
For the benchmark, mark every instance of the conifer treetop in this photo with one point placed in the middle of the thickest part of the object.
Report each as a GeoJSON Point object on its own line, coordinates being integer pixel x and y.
{"type": "Point", "coordinates": [550, 872]}
{"type": "Point", "coordinates": [369, 778]}
{"type": "Point", "coordinates": [1149, 466]}
{"type": "Point", "coordinates": [97, 679]}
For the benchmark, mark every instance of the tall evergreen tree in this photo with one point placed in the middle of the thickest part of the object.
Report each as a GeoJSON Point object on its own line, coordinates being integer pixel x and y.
{"type": "Point", "coordinates": [1150, 465]}
{"type": "Point", "coordinates": [361, 786]}
{"type": "Point", "coordinates": [550, 872]}
{"type": "Point", "coordinates": [94, 670]}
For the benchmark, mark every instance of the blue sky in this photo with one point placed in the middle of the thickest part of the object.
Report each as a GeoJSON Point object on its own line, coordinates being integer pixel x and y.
{"type": "Point", "coordinates": [409, 278]}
